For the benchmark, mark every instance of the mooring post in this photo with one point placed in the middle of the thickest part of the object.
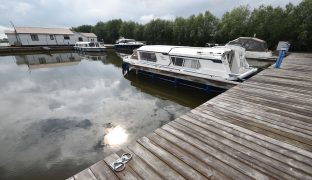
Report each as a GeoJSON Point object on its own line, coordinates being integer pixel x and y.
{"type": "Point", "coordinates": [280, 58]}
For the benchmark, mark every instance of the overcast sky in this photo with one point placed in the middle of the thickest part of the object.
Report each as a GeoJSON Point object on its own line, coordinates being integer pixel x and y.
{"type": "Point", "coordinates": [68, 13]}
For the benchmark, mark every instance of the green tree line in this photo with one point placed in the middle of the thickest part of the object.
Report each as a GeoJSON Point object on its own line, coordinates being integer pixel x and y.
{"type": "Point", "coordinates": [272, 24]}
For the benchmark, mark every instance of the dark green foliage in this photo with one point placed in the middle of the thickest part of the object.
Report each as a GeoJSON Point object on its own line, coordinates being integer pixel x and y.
{"type": "Point", "coordinates": [233, 24]}
{"type": "Point", "coordinates": [272, 24]}
{"type": "Point", "coordinates": [83, 28]}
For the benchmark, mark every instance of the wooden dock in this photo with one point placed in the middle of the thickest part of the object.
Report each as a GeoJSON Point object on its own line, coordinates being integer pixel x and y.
{"type": "Point", "coordinates": [259, 129]}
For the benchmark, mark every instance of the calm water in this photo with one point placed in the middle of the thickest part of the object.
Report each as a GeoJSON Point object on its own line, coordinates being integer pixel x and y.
{"type": "Point", "coordinates": [61, 113]}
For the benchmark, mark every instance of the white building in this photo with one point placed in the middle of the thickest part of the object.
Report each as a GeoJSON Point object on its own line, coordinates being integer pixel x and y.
{"type": "Point", "coordinates": [85, 37]}
{"type": "Point", "coordinates": [35, 36]}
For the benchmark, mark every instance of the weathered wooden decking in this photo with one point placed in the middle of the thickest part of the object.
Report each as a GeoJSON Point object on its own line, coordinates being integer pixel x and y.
{"type": "Point", "coordinates": [260, 129]}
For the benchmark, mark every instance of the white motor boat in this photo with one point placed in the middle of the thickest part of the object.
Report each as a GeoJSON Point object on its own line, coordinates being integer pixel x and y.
{"type": "Point", "coordinates": [218, 63]}
{"type": "Point", "coordinates": [130, 44]}
{"type": "Point", "coordinates": [255, 48]}
{"type": "Point", "coordinates": [89, 47]}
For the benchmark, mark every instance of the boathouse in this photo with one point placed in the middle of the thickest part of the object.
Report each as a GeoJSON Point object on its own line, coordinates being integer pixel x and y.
{"type": "Point", "coordinates": [38, 36]}
{"type": "Point", "coordinates": [86, 37]}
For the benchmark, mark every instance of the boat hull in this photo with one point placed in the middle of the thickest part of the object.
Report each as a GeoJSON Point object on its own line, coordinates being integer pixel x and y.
{"type": "Point", "coordinates": [180, 79]}
{"type": "Point", "coordinates": [91, 49]}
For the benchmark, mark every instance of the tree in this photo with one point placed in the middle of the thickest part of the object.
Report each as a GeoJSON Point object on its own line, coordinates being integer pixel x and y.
{"type": "Point", "coordinates": [233, 24]}
{"type": "Point", "coordinates": [270, 24]}
{"type": "Point", "coordinates": [302, 26]}
{"type": "Point", "coordinates": [83, 28]}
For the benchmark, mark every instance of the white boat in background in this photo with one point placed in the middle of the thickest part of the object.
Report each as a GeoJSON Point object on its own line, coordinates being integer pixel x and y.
{"type": "Point", "coordinates": [89, 47]}
{"type": "Point", "coordinates": [255, 48]}
{"type": "Point", "coordinates": [131, 44]}
{"type": "Point", "coordinates": [217, 63]}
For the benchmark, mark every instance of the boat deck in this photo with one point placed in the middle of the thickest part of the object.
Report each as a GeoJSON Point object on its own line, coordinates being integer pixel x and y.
{"type": "Point", "coordinates": [259, 129]}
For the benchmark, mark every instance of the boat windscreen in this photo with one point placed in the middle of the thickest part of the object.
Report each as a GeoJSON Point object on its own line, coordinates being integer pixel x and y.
{"type": "Point", "coordinates": [250, 44]}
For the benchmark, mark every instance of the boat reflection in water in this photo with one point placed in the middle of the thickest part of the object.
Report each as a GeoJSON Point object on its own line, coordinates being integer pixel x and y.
{"type": "Point", "coordinates": [95, 56]}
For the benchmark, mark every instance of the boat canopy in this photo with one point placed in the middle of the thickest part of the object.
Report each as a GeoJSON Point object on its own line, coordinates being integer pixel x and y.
{"type": "Point", "coordinates": [158, 48]}
{"type": "Point", "coordinates": [186, 51]}
{"type": "Point", "coordinates": [199, 52]}
{"type": "Point", "coordinates": [82, 43]}
{"type": "Point", "coordinates": [250, 43]}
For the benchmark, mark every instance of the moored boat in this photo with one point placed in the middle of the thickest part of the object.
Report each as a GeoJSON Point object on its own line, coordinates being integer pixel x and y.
{"type": "Point", "coordinates": [129, 44]}
{"type": "Point", "coordinates": [89, 47]}
{"type": "Point", "coordinates": [255, 48]}
{"type": "Point", "coordinates": [216, 63]}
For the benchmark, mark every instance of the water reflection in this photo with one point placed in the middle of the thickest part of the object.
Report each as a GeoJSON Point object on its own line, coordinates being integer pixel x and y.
{"type": "Point", "coordinates": [52, 119]}
{"type": "Point", "coordinates": [115, 136]}
{"type": "Point", "coordinates": [35, 61]}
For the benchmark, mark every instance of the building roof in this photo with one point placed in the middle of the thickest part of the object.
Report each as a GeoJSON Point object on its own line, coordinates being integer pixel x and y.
{"type": "Point", "coordinates": [39, 30]}
{"type": "Point", "coordinates": [91, 35]}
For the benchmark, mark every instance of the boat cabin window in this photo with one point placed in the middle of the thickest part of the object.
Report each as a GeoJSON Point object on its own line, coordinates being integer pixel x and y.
{"type": "Point", "coordinates": [91, 44]}
{"type": "Point", "coordinates": [177, 61]}
{"type": "Point", "coordinates": [147, 56]}
{"type": "Point", "coordinates": [191, 63]}
{"type": "Point", "coordinates": [134, 55]}
{"type": "Point", "coordinates": [80, 39]}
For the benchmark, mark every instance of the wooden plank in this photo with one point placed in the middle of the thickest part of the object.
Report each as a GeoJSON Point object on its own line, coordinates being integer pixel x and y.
{"type": "Point", "coordinates": [303, 111]}
{"type": "Point", "coordinates": [126, 174]}
{"type": "Point", "coordinates": [262, 129]}
{"type": "Point", "coordinates": [102, 171]}
{"type": "Point", "coordinates": [278, 128]}
{"type": "Point", "coordinates": [304, 99]}
{"type": "Point", "coordinates": [85, 175]}
{"type": "Point", "coordinates": [185, 170]}
{"type": "Point", "coordinates": [268, 109]}
{"type": "Point", "coordinates": [247, 152]}
{"type": "Point", "coordinates": [300, 103]}
{"type": "Point", "coordinates": [159, 166]}
{"type": "Point", "coordinates": [249, 140]}
{"type": "Point", "coordinates": [260, 115]}
{"type": "Point", "coordinates": [207, 158]}
{"type": "Point", "coordinates": [139, 166]}
{"type": "Point", "coordinates": [268, 85]}
{"type": "Point", "coordinates": [251, 134]}
{"type": "Point", "coordinates": [242, 167]}
{"type": "Point", "coordinates": [194, 161]}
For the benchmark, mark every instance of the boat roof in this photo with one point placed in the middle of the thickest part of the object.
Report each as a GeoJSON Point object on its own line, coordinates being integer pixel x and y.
{"type": "Point", "coordinates": [158, 48]}
{"type": "Point", "coordinates": [250, 38]}
{"type": "Point", "coordinates": [250, 43]}
{"type": "Point", "coordinates": [185, 50]}
{"type": "Point", "coordinates": [82, 42]}
{"type": "Point", "coordinates": [199, 51]}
